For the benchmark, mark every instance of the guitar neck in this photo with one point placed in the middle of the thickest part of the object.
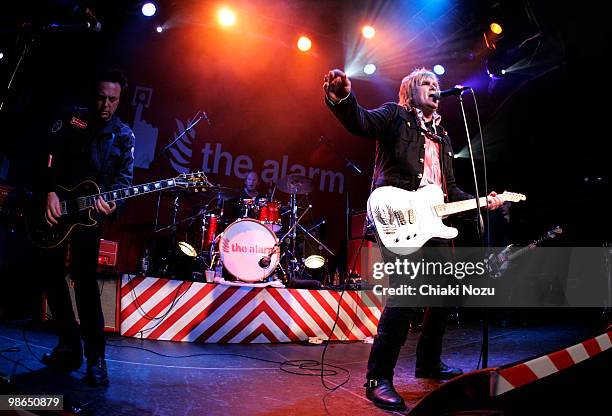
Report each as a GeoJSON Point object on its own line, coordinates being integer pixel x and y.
{"type": "Point", "coordinates": [460, 206]}
{"type": "Point", "coordinates": [124, 193]}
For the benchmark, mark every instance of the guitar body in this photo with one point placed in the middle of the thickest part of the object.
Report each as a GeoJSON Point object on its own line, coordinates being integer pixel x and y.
{"type": "Point", "coordinates": [45, 236]}
{"type": "Point", "coordinates": [406, 220]}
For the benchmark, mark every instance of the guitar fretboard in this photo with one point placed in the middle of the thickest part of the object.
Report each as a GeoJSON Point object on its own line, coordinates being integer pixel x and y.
{"type": "Point", "coordinates": [124, 193]}
{"type": "Point", "coordinates": [459, 206]}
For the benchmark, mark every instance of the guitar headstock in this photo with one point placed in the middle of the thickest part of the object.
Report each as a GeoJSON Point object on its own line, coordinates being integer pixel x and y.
{"type": "Point", "coordinates": [555, 232]}
{"type": "Point", "coordinates": [192, 180]}
{"type": "Point", "coordinates": [512, 196]}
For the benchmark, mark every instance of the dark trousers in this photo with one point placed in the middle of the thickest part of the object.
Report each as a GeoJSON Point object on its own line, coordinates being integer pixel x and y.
{"type": "Point", "coordinates": [84, 247]}
{"type": "Point", "coordinates": [394, 324]}
{"type": "Point", "coordinates": [392, 334]}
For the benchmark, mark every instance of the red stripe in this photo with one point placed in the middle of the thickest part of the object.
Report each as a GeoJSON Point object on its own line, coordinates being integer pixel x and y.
{"type": "Point", "coordinates": [561, 359]}
{"type": "Point", "coordinates": [129, 283]}
{"type": "Point", "coordinates": [263, 307]}
{"type": "Point", "coordinates": [230, 313]}
{"type": "Point", "coordinates": [518, 375]}
{"type": "Point", "coordinates": [310, 311]}
{"type": "Point", "coordinates": [369, 316]}
{"type": "Point", "coordinates": [332, 314]}
{"type": "Point", "coordinates": [143, 297]}
{"type": "Point", "coordinates": [181, 311]}
{"type": "Point", "coordinates": [376, 300]}
{"type": "Point", "coordinates": [592, 347]}
{"type": "Point", "coordinates": [218, 300]}
{"type": "Point", "coordinates": [155, 310]}
{"type": "Point", "coordinates": [261, 329]}
{"type": "Point", "coordinates": [350, 310]}
{"type": "Point", "coordinates": [293, 314]}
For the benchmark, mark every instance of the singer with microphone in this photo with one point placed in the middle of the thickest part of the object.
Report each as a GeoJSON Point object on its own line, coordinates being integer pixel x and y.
{"type": "Point", "coordinates": [412, 150]}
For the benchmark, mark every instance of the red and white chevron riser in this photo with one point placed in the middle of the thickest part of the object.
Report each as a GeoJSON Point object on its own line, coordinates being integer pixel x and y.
{"type": "Point", "coordinates": [519, 375]}
{"type": "Point", "coordinates": [206, 312]}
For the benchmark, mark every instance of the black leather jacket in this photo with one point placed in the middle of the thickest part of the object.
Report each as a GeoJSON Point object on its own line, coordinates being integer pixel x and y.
{"type": "Point", "coordinates": [400, 147]}
{"type": "Point", "coordinates": [83, 149]}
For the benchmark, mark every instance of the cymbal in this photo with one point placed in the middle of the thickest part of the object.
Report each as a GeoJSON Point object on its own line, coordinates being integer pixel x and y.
{"type": "Point", "coordinates": [295, 184]}
{"type": "Point", "coordinates": [224, 192]}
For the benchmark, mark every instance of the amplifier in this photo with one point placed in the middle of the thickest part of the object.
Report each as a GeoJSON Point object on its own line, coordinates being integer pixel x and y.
{"type": "Point", "coordinates": [108, 253]}
{"type": "Point", "coordinates": [109, 297]}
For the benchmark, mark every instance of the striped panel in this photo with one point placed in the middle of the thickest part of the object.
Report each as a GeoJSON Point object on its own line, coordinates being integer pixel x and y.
{"type": "Point", "coordinates": [191, 311]}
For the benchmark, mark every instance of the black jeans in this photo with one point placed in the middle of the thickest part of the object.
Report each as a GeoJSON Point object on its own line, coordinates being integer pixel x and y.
{"type": "Point", "coordinates": [393, 330]}
{"type": "Point", "coordinates": [84, 248]}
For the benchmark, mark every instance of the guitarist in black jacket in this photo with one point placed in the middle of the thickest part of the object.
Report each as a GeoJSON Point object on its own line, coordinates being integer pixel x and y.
{"type": "Point", "coordinates": [408, 156]}
{"type": "Point", "coordinates": [84, 144]}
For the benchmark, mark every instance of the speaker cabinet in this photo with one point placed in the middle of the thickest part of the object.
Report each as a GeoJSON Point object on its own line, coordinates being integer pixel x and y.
{"type": "Point", "coordinates": [109, 297]}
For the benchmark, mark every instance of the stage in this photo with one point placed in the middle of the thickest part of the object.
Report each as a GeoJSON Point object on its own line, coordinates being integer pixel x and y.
{"type": "Point", "coordinates": [171, 378]}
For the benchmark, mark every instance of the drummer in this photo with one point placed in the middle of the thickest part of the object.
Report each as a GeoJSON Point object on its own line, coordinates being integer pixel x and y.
{"type": "Point", "coordinates": [250, 186]}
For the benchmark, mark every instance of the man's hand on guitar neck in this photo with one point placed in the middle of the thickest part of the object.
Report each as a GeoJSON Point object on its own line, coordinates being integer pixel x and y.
{"type": "Point", "coordinates": [103, 207]}
{"type": "Point", "coordinates": [494, 201]}
{"type": "Point", "coordinates": [53, 209]}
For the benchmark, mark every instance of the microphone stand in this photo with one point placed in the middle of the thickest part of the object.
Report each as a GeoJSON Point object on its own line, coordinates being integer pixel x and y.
{"type": "Point", "coordinates": [198, 117]}
{"type": "Point", "coordinates": [353, 166]}
{"type": "Point", "coordinates": [479, 229]}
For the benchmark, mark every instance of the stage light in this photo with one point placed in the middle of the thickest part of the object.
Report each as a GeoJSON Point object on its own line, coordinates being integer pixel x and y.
{"type": "Point", "coordinates": [226, 17]}
{"type": "Point", "coordinates": [439, 70]}
{"type": "Point", "coordinates": [304, 44]}
{"type": "Point", "coordinates": [159, 29]}
{"type": "Point", "coordinates": [503, 72]}
{"type": "Point", "coordinates": [369, 69]}
{"type": "Point", "coordinates": [368, 32]}
{"type": "Point", "coordinates": [1, 55]}
{"type": "Point", "coordinates": [148, 9]}
{"type": "Point", "coordinates": [496, 28]}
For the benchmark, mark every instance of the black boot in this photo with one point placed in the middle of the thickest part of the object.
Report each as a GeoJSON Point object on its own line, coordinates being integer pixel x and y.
{"type": "Point", "coordinates": [383, 395]}
{"type": "Point", "coordinates": [97, 375]}
{"type": "Point", "coordinates": [439, 371]}
{"type": "Point", "coordinates": [64, 358]}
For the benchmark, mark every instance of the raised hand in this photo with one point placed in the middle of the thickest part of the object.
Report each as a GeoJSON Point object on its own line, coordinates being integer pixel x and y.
{"type": "Point", "coordinates": [336, 85]}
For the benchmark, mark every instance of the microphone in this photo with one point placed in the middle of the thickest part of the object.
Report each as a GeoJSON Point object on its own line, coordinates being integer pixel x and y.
{"type": "Point", "coordinates": [264, 261]}
{"type": "Point", "coordinates": [91, 23]}
{"type": "Point", "coordinates": [456, 90]}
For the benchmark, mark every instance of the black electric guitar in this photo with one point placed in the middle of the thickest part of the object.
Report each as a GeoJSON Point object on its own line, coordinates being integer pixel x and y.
{"type": "Point", "coordinates": [77, 205]}
{"type": "Point", "coordinates": [499, 263]}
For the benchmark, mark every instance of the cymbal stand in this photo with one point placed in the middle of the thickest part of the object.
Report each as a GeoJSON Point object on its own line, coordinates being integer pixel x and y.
{"type": "Point", "coordinates": [291, 233]}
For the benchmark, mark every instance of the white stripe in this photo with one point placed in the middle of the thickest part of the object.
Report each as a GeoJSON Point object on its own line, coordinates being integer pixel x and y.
{"type": "Point", "coordinates": [502, 385]}
{"type": "Point", "coordinates": [238, 317]}
{"type": "Point", "coordinates": [284, 316]}
{"type": "Point", "coordinates": [252, 326]}
{"type": "Point", "coordinates": [188, 315]}
{"type": "Point", "coordinates": [219, 315]}
{"type": "Point", "coordinates": [352, 327]}
{"type": "Point", "coordinates": [542, 366]}
{"type": "Point", "coordinates": [314, 303]}
{"type": "Point", "coordinates": [604, 341]}
{"type": "Point", "coordinates": [306, 317]}
{"type": "Point", "coordinates": [145, 308]}
{"type": "Point", "coordinates": [138, 289]}
{"type": "Point", "coordinates": [578, 353]}
{"type": "Point", "coordinates": [169, 309]}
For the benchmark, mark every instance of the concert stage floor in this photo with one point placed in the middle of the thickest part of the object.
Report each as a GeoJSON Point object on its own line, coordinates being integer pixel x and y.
{"type": "Point", "coordinates": [212, 379]}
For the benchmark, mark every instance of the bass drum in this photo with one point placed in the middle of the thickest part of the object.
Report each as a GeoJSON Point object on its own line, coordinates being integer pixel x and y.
{"type": "Point", "coordinates": [245, 246]}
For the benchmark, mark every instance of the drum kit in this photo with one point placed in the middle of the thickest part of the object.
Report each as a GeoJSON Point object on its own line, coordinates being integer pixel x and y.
{"type": "Point", "coordinates": [260, 245]}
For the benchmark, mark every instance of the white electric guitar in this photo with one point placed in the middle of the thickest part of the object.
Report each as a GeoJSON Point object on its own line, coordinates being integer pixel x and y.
{"type": "Point", "coordinates": [406, 220]}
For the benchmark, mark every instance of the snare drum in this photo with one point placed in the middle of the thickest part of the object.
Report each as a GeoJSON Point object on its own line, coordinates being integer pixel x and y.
{"type": "Point", "coordinates": [249, 250]}
{"type": "Point", "coordinates": [269, 214]}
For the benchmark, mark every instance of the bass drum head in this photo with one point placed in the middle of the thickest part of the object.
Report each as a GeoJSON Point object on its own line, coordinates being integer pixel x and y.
{"type": "Point", "coordinates": [243, 244]}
